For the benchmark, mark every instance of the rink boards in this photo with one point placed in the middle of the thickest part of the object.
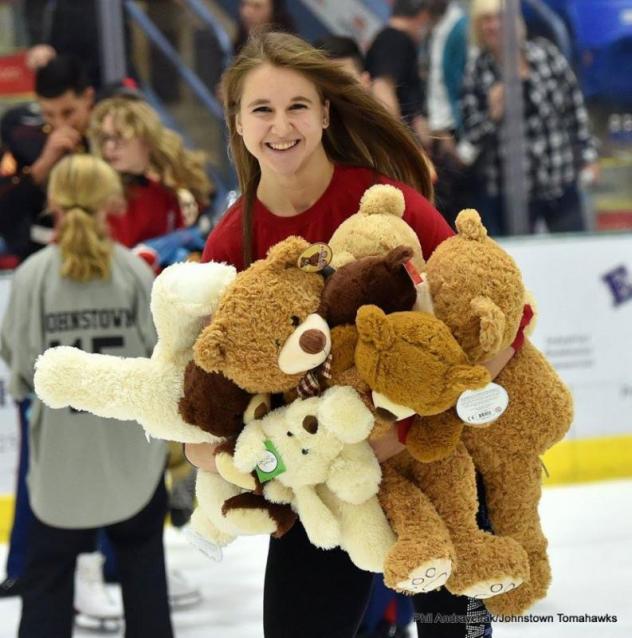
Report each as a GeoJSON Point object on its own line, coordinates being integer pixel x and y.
{"type": "Point", "coordinates": [583, 288]}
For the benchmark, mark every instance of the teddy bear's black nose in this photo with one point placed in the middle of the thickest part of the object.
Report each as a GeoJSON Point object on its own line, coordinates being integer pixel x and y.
{"type": "Point", "coordinates": [310, 424]}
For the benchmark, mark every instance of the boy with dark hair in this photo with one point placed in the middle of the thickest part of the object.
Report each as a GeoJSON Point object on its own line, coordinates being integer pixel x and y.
{"type": "Point", "coordinates": [66, 99]}
{"type": "Point", "coordinates": [33, 141]}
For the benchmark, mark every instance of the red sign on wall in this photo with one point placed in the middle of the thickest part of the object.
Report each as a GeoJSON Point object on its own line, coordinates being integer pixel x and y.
{"type": "Point", "coordinates": [15, 77]}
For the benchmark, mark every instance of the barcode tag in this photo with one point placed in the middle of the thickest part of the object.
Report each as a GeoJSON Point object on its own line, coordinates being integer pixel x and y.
{"type": "Point", "coordinates": [484, 406]}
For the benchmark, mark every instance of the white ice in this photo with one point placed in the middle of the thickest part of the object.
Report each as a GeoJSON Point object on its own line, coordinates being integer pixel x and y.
{"type": "Point", "coordinates": [590, 532]}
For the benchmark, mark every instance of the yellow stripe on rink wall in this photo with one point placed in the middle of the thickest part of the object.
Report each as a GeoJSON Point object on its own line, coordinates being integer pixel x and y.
{"type": "Point", "coordinates": [580, 460]}
{"type": "Point", "coordinates": [571, 461]}
{"type": "Point", "coordinates": [6, 518]}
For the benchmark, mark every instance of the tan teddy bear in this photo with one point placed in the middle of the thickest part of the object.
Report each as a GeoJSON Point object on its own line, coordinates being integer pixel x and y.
{"type": "Point", "coordinates": [478, 292]}
{"type": "Point", "coordinates": [266, 333]}
{"type": "Point", "coordinates": [376, 228]}
{"type": "Point", "coordinates": [414, 354]}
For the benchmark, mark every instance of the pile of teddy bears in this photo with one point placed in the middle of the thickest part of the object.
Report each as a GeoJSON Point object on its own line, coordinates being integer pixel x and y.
{"type": "Point", "coordinates": [295, 364]}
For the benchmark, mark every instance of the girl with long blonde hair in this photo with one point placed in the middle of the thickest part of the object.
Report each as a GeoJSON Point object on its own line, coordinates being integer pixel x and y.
{"type": "Point", "coordinates": [307, 140]}
{"type": "Point", "coordinates": [85, 473]}
{"type": "Point", "coordinates": [81, 190]}
{"type": "Point", "coordinates": [128, 134]}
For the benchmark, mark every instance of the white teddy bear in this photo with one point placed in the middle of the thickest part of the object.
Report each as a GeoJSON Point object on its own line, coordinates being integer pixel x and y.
{"type": "Point", "coordinates": [184, 296]}
{"type": "Point", "coordinates": [330, 474]}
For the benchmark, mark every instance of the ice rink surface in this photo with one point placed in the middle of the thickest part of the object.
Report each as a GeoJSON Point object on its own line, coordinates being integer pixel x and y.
{"type": "Point", "coordinates": [590, 532]}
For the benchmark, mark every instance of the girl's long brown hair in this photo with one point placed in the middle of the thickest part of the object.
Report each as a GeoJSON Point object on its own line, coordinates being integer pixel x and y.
{"type": "Point", "coordinates": [361, 131]}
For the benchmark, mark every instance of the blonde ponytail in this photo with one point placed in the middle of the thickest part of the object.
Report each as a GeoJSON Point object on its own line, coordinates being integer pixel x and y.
{"type": "Point", "coordinates": [86, 251]}
{"type": "Point", "coordinates": [80, 187]}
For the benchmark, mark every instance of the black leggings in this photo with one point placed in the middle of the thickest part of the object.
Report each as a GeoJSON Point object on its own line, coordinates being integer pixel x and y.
{"type": "Point", "coordinates": [312, 593]}
{"type": "Point", "coordinates": [47, 602]}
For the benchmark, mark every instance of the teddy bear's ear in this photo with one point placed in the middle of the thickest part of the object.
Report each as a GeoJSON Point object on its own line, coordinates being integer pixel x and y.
{"type": "Point", "coordinates": [373, 327]}
{"type": "Point", "coordinates": [470, 226]}
{"type": "Point", "coordinates": [466, 377]}
{"type": "Point", "coordinates": [208, 351]}
{"type": "Point", "coordinates": [285, 254]}
{"type": "Point", "coordinates": [342, 258]}
{"type": "Point", "coordinates": [258, 407]}
{"type": "Point", "coordinates": [491, 323]}
{"type": "Point", "coordinates": [383, 199]}
{"type": "Point", "coordinates": [398, 257]}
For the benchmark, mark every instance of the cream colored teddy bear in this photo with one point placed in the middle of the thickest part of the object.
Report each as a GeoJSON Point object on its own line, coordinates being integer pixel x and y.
{"type": "Point", "coordinates": [331, 475]}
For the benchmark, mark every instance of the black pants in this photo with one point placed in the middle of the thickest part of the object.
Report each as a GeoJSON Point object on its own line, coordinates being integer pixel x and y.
{"type": "Point", "coordinates": [47, 602]}
{"type": "Point", "coordinates": [312, 593]}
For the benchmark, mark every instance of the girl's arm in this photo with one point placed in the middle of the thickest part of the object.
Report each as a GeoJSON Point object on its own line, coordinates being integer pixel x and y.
{"type": "Point", "coordinates": [202, 455]}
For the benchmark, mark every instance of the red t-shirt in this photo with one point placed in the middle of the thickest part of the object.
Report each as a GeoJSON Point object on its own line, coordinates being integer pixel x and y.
{"type": "Point", "coordinates": [152, 210]}
{"type": "Point", "coordinates": [340, 200]}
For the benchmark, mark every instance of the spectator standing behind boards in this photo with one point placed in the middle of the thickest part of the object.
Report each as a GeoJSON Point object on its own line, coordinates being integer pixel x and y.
{"type": "Point", "coordinates": [128, 134]}
{"type": "Point", "coordinates": [392, 61]}
{"type": "Point", "coordinates": [256, 14]}
{"type": "Point", "coordinates": [457, 186]}
{"type": "Point", "coordinates": [69, 27]}
{"type": "Point", "coordinates": [86, 472]}
{"type": "Point", "coordinates": [448, 57]}
{"type": "Point", "coordinates": [558, 140]}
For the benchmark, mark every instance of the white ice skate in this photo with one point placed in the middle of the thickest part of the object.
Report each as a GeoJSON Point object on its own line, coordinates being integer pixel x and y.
{"type": "Point", "coordinates": [98, 609]}
{"type": "Point", "coordinates": [182, 593]}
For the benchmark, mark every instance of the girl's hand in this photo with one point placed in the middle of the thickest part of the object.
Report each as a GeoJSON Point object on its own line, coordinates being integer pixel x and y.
{"type": "Point", "coordinates": [387, 446]}
{"type": "Point", "coordinates": [202, 455]}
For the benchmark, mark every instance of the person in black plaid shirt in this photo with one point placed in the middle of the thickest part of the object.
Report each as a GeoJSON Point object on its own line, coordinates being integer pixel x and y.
{"type": "Point", "coordinates": [558, 139]}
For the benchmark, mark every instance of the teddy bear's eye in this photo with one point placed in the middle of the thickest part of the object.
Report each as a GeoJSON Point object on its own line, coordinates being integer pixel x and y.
{"type": "Point", "coordinates": [304, 451]}
{"type": "Point", "coordinates": [296, 321]}
{"type": "Point", "coordinates": [290, 434]}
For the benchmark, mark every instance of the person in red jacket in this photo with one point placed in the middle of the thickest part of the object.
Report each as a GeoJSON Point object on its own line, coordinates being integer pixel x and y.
{"type": "Point", "coordinates": [129, 135]}
{"type": "Point", "coordinates": [307, 141]}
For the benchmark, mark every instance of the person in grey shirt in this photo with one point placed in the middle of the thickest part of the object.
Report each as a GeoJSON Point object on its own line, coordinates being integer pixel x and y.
{"type": "Point", "coordinates": [86, 472]}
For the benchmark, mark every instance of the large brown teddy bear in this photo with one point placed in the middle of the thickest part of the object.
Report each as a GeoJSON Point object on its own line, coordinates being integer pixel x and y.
{"type": "Point", "coordinates": [477, 290]}
{"type": "Point", "coordinates": [434, 501]}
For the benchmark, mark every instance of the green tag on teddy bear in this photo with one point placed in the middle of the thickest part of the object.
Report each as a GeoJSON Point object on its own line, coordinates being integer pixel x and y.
{"type": "Point", "coordinates": [272, 464]}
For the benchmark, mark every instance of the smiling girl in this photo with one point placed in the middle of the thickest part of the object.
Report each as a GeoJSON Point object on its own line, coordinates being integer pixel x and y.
{"type": "Point", "coordinates": [307, 141]}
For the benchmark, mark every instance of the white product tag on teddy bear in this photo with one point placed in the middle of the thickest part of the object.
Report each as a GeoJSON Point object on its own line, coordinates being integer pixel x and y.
{"type": "Point", "coordinates": [271, 465]}
{"type": "Point", "coordinates": [484, 406]}
{"type": "Point", "coordinates": [210, 550]}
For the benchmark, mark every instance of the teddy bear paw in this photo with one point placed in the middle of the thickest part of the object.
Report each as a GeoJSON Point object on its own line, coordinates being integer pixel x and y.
{"type": "Point", "coordinates": [251, 521]}
{"type": "Point", "coordinates": [492, 587]}
{"type": "Point", "coordinates": [427, 577]}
